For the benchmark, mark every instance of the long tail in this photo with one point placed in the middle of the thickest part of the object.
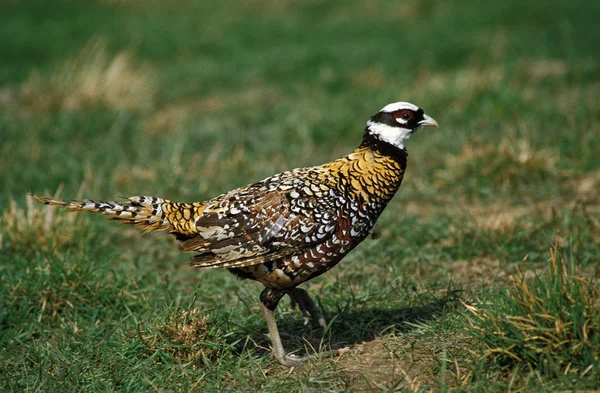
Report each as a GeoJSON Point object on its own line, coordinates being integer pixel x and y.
{"type": "Point", "coordinates": [146, 212]}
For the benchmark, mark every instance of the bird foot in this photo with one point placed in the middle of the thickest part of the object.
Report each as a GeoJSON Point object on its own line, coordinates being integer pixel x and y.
{"type": "Point", "coordinates": [288, 360]}
{"type": "Point", "coordinates": [322, 323]}
{"type": "Point", "coordinates": [310, 311]}
{"type": "Point", "coordinates": [291, 360]}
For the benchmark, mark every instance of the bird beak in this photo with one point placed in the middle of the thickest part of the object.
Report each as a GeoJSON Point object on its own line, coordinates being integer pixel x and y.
{"type": "Point", "coordinates": [428, 122]}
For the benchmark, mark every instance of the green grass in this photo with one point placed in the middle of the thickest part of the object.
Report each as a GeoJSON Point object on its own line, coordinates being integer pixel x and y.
{"type": "Point", "coordinates": [548, 323]}
{"type": "Point", "coordinates": [189, 99]}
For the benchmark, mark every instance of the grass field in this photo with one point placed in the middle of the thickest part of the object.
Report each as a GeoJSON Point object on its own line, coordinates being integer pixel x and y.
{"type": "Point", "coordinates": [486, 277]}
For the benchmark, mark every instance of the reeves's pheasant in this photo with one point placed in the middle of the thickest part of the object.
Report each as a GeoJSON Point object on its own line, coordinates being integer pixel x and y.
{"type": "Point", "coordinates": [290, 227]}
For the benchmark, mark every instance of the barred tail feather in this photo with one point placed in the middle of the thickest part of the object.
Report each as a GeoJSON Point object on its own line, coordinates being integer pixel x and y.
{"type": "Point", "coordinates": [142, 211]}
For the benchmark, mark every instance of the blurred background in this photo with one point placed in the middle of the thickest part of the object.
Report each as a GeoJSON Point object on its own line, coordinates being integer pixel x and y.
{"type": "Point", "coordinates": [189, 99]}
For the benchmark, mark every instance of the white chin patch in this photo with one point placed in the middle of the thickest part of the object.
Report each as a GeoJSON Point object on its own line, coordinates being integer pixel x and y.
{"type": "Point", "coordinates": [395, 136]}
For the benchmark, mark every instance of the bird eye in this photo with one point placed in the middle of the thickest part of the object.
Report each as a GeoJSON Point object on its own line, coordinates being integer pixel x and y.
{"type": "Point", "coordinates": [405, 115]}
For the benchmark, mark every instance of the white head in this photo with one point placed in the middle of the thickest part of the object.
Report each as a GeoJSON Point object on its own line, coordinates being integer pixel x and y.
{"type": "Point", "coordinates": [396, 122]}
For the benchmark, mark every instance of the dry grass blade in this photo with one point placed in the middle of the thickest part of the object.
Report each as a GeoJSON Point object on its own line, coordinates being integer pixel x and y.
{"type": "Point", "coordinates": [551, 322]}
{"type": "Point", "coordinates": [509, 163]}
{"type": "Point", "coordinates": [92, 78]}
{"type": "Point", "coordinates": [37, 226]}
{"type": "Point", "coordinates": [186, 335]}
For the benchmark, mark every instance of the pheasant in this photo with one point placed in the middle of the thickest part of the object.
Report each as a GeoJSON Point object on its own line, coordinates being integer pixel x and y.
{"type": "Point", "coordinates": [290, 227]}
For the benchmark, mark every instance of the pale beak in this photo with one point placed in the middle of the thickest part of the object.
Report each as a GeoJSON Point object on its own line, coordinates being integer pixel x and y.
{"type": "Point", "coordinates": [428, 122]}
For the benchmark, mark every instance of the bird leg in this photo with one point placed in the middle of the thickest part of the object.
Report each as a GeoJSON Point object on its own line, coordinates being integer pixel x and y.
{"type": "Point", "coordinates": [300, 297]}
{"type": "Point", "coordinates": [269, 300]}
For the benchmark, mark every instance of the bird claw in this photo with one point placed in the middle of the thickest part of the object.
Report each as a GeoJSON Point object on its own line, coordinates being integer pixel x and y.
{"type": "Point", "coordinates": [291, 360]}
{"type": "Point", "coordinates": [310, 311]}
{"type": "Point", "coordinates": [323, 323]}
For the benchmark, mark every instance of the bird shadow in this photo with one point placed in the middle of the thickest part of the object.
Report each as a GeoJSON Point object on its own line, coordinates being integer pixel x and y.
{"type": "Point", "coordinates": [348, 325]}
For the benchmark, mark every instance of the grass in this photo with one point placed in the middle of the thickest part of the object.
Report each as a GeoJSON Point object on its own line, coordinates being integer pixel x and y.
{"type": "Point", "coordinates": [485, 277]}
{"type": "Point", "coordinates": [548, 323]}
{"type": "Point", "coordinates": [91, 79]}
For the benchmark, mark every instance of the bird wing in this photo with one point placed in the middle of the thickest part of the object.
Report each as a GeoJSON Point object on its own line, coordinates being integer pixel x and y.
{"type": "Point", "coordinates": [260, 223]}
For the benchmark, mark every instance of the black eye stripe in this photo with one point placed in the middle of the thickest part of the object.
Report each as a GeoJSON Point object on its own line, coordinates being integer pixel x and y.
{"type": "Point", "coordinates": [394, 119]}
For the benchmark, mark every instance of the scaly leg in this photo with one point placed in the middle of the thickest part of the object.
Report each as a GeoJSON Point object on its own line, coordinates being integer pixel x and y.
{"type": "Point", "coordinates": [300, 297]}
{"type": "Point", "coordinates": [269, 300]}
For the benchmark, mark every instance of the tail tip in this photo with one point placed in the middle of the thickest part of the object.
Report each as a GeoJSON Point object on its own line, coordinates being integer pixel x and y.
{"type": "Point", "coordinates": [40, 199]}
{"type": "Point", "coordinates": [46, 200]}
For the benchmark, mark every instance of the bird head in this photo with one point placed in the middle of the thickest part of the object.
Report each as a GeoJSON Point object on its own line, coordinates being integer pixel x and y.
{"type": "Point", "coordinates": [396, 122]}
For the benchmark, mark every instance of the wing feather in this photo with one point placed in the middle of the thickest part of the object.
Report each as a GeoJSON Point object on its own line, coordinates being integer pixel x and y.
{"type": "Point", "coordinates": [254, 225]}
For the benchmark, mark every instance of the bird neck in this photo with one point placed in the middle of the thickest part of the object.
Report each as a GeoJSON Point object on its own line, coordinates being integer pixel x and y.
{"type": "Point", "coordinates": [383, 148]}
{"type": "Point", "coordinates": [373, 172]}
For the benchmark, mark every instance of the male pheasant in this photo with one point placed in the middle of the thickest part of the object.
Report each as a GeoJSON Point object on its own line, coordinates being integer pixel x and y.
{"type": "Point", "coordinates": [290, 227]}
